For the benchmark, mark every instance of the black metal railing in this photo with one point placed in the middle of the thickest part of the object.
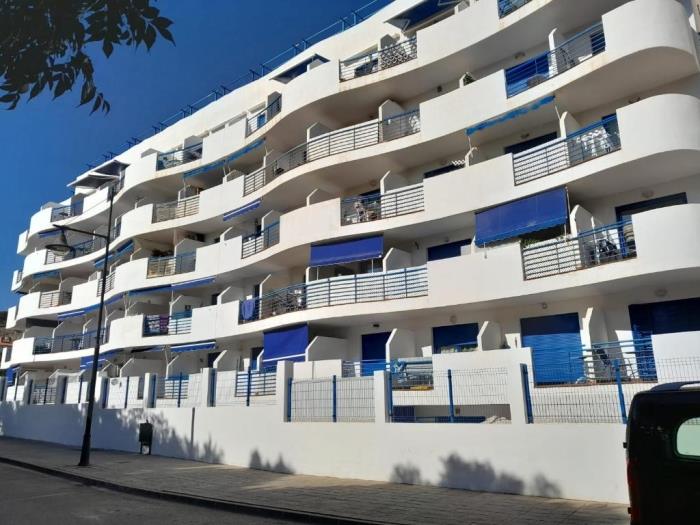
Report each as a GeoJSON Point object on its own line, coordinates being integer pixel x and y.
{"type": "Point", "coordinates": [67, 343]}
{"type": "Point", "coordinates": [56, 298]}
{"type": "Point", "coordinates": [380, 60]}
{"type": "Point", "coordinates": [178, 157]}
{"type": "Point", "coordinates": [260, 241]}
{"type": "Point", "coordinates": [171, 265]}
{"type": "Point", "coordinates": [607, 244]}
{"type": "Point", "coordinates": [168, 211]}
{"type": "Point", "coordinates": [179, 323]}
{"type": "Point", "coordinates": [262, 117]}
{"type": "Point", "coordinates": [395, 284]}
{"type": "Point", "coordinates": [376, 207]}
{"type": "Point", "coordinates": [591, 142]}
{"type": "Point", "coordinates": [65, 212]}
{"type": "Point", "coordinates": [357, 137]}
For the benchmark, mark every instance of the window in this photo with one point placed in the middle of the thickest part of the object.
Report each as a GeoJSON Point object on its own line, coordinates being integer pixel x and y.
{"type": "Point", "coordinates": [445, 251]}
{"type": "Point", "coordinates": [688, 438]}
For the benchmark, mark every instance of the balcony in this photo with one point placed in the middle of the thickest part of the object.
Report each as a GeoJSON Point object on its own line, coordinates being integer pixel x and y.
{"type": "Point", "coordinates": [350, 139]}
{"type": "Point", "coordinates": [354, 210]}
{"type": "Point", "coordinates": [394, 284]}
{"type": "Point", "coordinates": [603, 245]}
{"type": "Point", "coordinates": [77, 250]}
{"type": "Point", "coordinates": [171, 265]}
{"type": "Point", "coordinates": [178, 157]}
{"type": "Point", "coordinates": [56, 298]}
{"type": "Point", "coordinates": [564, 57]}
{"type": "Point", "coordinates": [506, 7]}
{"type": "Point", "coordinates": [179, 323]}
{"type": "Point", "coordinates": [175, 210]}
{"type": "Point", "coordinates": [65, 212]}
{"type": "Point", "coordinates": [260, 241]}
{"type": "Point", "coordinates": [588, 143]}
{"type": "Point", "coordinates": [109, 283]}
{"type": "Point", "coordinates": [385, 58]}
{"type": "Point", "coordinates": [262, 117]}
{"type": "Point", "coordinates": [67, 343]}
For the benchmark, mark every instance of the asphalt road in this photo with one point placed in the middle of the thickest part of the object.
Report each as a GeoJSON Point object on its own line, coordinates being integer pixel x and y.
{"type": "Point", "coordinates": [30, 498]}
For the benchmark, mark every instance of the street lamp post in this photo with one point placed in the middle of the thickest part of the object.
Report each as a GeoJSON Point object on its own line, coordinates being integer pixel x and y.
{"type": "Point", "coordinates": [65, 248]}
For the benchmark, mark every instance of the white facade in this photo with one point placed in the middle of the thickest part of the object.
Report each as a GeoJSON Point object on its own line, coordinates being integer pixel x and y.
{"type": "Point", "coordinates": [456, 140]}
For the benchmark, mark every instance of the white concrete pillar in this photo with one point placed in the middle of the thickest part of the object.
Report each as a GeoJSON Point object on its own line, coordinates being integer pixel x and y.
{"type": "Point", "coordinates": [381, 403]}
{"type": "Point", "coordinates": [516, 394]}
{"type": "Point", "coordinates": [61, 382]}
{"type": "Point", "coordinates": [285, 372]}
{"type": "Point", "coordinates": [3, 390]}
{"type": "Point", "coordinates": [149, 392]}
{"type": "Point", "coordinates": [27, 393]}
{"type": "Point", "coordinates": [206, 386]}
{"type": "Point", "coordinates": [101, 388]}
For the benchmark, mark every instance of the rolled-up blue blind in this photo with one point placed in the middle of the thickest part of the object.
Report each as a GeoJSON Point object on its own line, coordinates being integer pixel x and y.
{"type": "Point", "coordinates": [286, 344]}
{"type": "Point", "coordinates": [10, 376]}
{"type": "Point", "coordinates": [193, 347]}
{"type": "Point", "coordinates": [530, 214]}
{"type": "Point", "coordinates": [347, 251]}
{"type": "Point", "coordinates": [242, 210]}
{"type": "Point", "coordinates": [86, 362]}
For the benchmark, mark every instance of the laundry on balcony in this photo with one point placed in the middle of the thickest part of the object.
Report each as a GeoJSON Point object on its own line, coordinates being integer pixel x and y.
{"type": "Point", "coordinates": [249, 309]}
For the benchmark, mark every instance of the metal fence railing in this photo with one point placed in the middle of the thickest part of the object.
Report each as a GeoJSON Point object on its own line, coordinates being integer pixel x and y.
{"type": "Point", "coordinates": [588, 143]}
{"type": "Point", "coordinates": [168, 211]}
{"type": "Point", "coordinates": [67, 343]}
{"type": "Point", "coordinates": [109, 283]}
{"type": "Point", "coordinates": [177, 157]}
{"type": "Point", "coordinates": [356, 137]}
{"type": "Point", "coordinates": [171, 265]}
{"type": "Point", "coordinates": [44, 392]}
{"type": "Point", "coordinates": [564, 57]}
{"type": "Point", "coordinates": [395, 284]}
{"type": "Point", "coordinates": [125, 392]}
{"type": "Point", "coordinates": [257, 242]}
{"type": "Point", "coordinates": [334, 399]}
{"type": "Point", "coordinates": [265, 115]}
{"type": "Point", "coordinates": [506, 7]}
{"type": "Point", "coordinates": [611, 243]}
{"type": "Point", "coordinates": [55, 298]}
{"type": "Point", "coordinates": [449, 396]}
{"type": "Point", "coordinates": [180, 390]}
{"type": "Point", "coordinates": [251, 388]}
{"type": "Point", "coordinates": [157, 324]}
{"type": "Point", "coordinates": [65, 212]}
{"type": "Point", "coordinates": [381, 206]}
{"type": "Point", "coordinates": [77, 250]}
{"type": "Point", "coordinates": [385, 58]}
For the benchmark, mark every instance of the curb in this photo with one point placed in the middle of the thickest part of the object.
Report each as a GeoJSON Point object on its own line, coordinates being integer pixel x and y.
{"type": "Point", "coordinates": [189, 499]}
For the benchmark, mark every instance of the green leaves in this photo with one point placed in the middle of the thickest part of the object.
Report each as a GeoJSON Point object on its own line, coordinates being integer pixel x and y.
{"type": "Point", "coordinates": [42, 44]}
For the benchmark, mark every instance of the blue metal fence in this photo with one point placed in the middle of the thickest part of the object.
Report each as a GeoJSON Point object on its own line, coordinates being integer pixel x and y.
{"type": "Point", "coordinates": [179, 323]}
{"type": "Point", "coordinates": [591, 142]}
{"type": "Point", "coordinates": [171, 265]}
{"type": "Point", "coordinates": [369, 208]}
{"type": "Point", "coordinates": [257, 242]}
{"type": "Point", "coordinates": [564, 57]}
{"type": "Point", "coordinates": [178, 157]}
{"type": "Point", "coordinates": [385, 58]}
{"type": "Point", "coordinates": [254, 383]}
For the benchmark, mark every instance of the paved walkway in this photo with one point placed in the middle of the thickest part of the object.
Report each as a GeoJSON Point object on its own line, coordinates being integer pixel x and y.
{"type": "Point", "coordinates": [315, 498]}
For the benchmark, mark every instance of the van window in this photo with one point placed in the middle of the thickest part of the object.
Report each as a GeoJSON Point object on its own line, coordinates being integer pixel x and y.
{"type": "Point", "coordinates": [688, 438]}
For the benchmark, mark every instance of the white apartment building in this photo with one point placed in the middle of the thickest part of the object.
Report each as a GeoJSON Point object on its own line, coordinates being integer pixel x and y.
{"type": "Point", "coordinates": [452, 185]}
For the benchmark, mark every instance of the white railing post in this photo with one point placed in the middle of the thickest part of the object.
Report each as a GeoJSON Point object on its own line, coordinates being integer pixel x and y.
{"type": "Point", "coordinates": [517, 394]}
{"type": "Point", "coordinates": [381, 405]}
{"type": "Point", "coordinates": [205, 386]}
{"type": "Point", "coordinates": [285, 372]}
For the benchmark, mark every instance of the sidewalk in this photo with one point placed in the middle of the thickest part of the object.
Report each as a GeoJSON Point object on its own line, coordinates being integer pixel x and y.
{"type": "Point", "coordinates": [313, 498]}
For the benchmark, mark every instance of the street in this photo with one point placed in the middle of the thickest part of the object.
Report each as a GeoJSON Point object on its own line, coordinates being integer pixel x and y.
{"type": "Point", "coordinates": [30, 497]}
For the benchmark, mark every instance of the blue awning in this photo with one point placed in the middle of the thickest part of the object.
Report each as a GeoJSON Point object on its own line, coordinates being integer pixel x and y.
{"type": "Point", "coordinates": [194, 282]}
{"type": "Point", "coordinates": [86, 362]}
{"type": "Point", "coordinates": [151, 289]}
{"type": "Point", "coordinates": [510, 115]}
{"type": "Point", "coordinates": [46, 275]}
{"type": "Point", "coordinates": [72, 313]}
{"type": "Point", "coordinates": [10, 376]}
{"type": "Point", "coordinates": [286, 344]}
{"type": "Point", "coordinates": [243, 209]}
{"type": "Point", "coordinates": [421, 12]}
{"type": "Point", "coordinates": [537, 212]}
{"type": "Point", "coordinates": [221, 162]}
{"type": "Point", "coordinates": [49, 233]}
{"type": "Point", "coordinates": [193, 347]}
{"type": "Point", "coordinates": [88, 309]}
{"type": "Point", "coordinates": [351, 250]}
{"type": "Point", "coordinates": [126, 248]}
{"type": "Point", "coordinates": [158, 348]}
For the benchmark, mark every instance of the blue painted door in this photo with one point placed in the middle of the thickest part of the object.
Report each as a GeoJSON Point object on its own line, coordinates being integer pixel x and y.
{"type": "Point", "coordinates": [374, 352]}
{"type": "Point", "coordinates": [556, 347]}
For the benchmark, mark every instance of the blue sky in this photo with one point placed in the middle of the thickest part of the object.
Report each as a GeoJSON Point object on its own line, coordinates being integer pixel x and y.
{"type": "Point", "coordinates": [46, 142]}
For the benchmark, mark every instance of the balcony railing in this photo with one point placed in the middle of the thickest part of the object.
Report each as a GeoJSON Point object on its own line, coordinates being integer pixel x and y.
{"type": "Point", "coordinates": [585, 144]}
{"type": "Point", "coordinates": [78, 250]}
{"type": "Point", "coordinates": [18, 277]}
{"type": "Point", "coordinates": [64, 212]}
{"type": "Point", "coordinates": [260, 241]}
{"type": "Point", "coordinates": [168, 211]}
{"type": "Point", "coordinates": [506, 7]}
{"type": "Point", "coordinates": [395, 284]}
{"type": "Point", "coordinates": [568, 55]}
{"type": "Point", "coordinates": [607, 244]}
{"type": "Point", "coordinates": [177, 157]}
{"type": "Point", "coordinates": [109, 283]}
{"type": "Point", "coordinates": [633, 359]}
{"type": "Point", "coordinates": [179, 323]}
{"type": "Point", "coordinates": [51, 299]}
{"type": "Point", "coordinates": [67, 343]}
{"type": "Point", "coordinates": [376, 207]}
{"type": "Point", "coordinates": [385, 58]}
{"type": "Point", "coordinates": [262, 117]}
{"type": "Point", "coordinates": [340, 141]}
{"type": "Point", "coordinates": [172, 265]}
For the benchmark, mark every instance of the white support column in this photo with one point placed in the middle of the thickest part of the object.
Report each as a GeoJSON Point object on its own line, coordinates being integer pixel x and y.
{"type": "Point", "coordinates": [381, 403]}
{"type": "Point", "coordinates": [516, 394]}
{"type": "Point", "coordinates": [148, 391]}
{"type": "Point", "coordinates": [285, 372]}
{"type": "Point", "coordinates": [206, 386]}
{"type": "Point", "coordinates": [101, 391]}
{"type": "Point", "coordinates": [27, 393]}
{"type": "Point", "coordinates": [3, 391]}
{"type": "Point", "coordinates": [61, 382]}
